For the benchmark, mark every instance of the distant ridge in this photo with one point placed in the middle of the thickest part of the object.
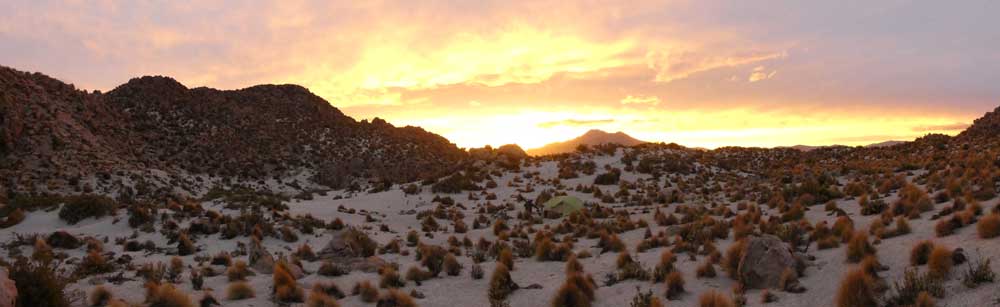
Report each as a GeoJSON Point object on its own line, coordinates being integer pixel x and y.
{"type": "Point", "coordinates": [591, 138]}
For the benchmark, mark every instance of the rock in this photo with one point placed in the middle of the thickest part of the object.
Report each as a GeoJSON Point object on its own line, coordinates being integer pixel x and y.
{"type": "Point", "coordinates": [417, 294]}
{"type": "Point", "coordinates": [8, 289]}
{"type": "Point", "coordinates": [766, 258]}
{"type": "Point", "coordinates": [533, 286]}
{"type": "Point", "coordinates": [345, 249]}
{"type": "Point", "coordinates": [958, 256]}
{"type": "Point", "coordinates": [260, 260]}
{"type": "Point", "coordinates": [64, 240]}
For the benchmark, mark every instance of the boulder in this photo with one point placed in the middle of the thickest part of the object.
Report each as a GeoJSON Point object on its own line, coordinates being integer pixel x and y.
{"type": "Point", "coordinates": [8, 290]}
{"type": "Point", "coordinates": [260, 260]}
{"type": "Point", "coordinates": [346, 247]}
{"type": "Point", "coordinates": [64, 240]}
{"type": "Point", "coordinates": [766, 258]}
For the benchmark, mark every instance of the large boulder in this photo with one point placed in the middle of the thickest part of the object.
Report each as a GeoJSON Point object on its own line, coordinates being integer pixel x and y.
{"type": "Point", "coordinates": [8, 289]}
{"type": "Point", "coordinates": [353, 249]}
{"type": "Point", "coordinates": [260, 259]}
{"type": "Point", "coordinates": [765, 260]}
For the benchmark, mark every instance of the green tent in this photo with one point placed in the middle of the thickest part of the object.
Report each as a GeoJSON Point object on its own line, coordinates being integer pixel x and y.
{"type": "Point", "coordinates": [564, 204]}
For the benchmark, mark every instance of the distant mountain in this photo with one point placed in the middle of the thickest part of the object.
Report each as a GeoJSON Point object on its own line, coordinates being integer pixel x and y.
{"type": "Point", "coordinates": [591, 138]}
{"type": "Point", "coordinates": [153, 132]}
{"type": "Point", "coordinates": [885, 144]}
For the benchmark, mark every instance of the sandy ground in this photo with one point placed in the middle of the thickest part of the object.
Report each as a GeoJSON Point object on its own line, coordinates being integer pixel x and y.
{"type": "Point", "coordinates": [821, 280]}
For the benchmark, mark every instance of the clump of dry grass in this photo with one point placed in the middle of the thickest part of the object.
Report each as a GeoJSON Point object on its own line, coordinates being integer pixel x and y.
{"type": "Point", "coordinates": [507, 258]}
{"type": "Point", "coordinates": [320, 299]}
{"type": "Point", "coordinates": [939, 262]}
{"type": "Point", "coordinates": [859, 247]}
{"type": "Point", "coordinates": [713, 298]}
{"type": "Point", "coordinates": [706, 269]}
{"type": "Point", "coordinates": [924, 300]}
{"type": "Point", "coordinates": [166, 295]}
{"type": "Point", "coordinates": [857, 288]}
{"type": "Point", "coordinates": [501, 283]}
{"type": "Point", "coordinates": [451, 265]}
{"type": "Point", "coordinates": [238, 271]}
{"type": "Point", "coordinates": [920, 252]}
{"type": "Point", "coordinates": [569, 295]}
{"type": "Point", "coordinates": [239, 290]}
{"type": "Point", "coordinates": [731, 262]}
{"type": "Point", "coordinates": [396, 298]}
{"type": "Point", "coordinates": [989, 226]}
{"type": "Point", "coordinates": [390, 278]}
{"type": "Point", "coordinates": [100, 296]}
{"type": "Point", "coordinates": [368, 292]}
{"type": "Point", "coordinates": [285, 287]}
{"type": "Point", "coordinates": [675, 285]}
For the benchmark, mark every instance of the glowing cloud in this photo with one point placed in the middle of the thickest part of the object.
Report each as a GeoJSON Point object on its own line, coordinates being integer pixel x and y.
{"type": "Point", "coordinates": [641, 100]}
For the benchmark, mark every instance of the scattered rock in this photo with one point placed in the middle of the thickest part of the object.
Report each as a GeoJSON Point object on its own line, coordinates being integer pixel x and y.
{"type": "Point", "coordinates": [260, 260]}
{"type": "Point", "coordinates": [417, 294]}
{"type": "Point", "coordinates": [64, 240]}
{"type": "Point", "coordinates": [764, 261]}
{"type": "Point", "coordinates": [958, 256]}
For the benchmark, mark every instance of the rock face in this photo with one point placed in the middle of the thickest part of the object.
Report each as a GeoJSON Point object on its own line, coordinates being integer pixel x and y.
{"type": "Point", "coordinates": [766, 258]}
{"type": "Point", "coordinates": [260, 259]}
{"type": "Point", "coordinates": [55, 135]}
{"type": "Point", "coordinates": [8, 290]}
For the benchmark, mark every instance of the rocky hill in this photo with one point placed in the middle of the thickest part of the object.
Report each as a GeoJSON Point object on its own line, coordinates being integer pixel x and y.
{"type": "Point", "coordinates": [591, 138]}
{"type": "Point", "coordinates": [54, 137]}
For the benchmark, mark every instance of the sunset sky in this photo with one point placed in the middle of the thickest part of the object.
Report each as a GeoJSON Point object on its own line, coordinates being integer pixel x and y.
{"type": "Point", "coordinates": [699, 73]}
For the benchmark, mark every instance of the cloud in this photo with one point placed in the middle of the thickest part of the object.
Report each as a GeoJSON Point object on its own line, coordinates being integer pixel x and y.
{"type": "Point", "coordinates": [474, 103]}
{"type": "Point", "coordinates": [671, 65]}
{"type": "Point", "coordinates": [640, 99]}
{"type": "Point", "coordinates": [575, 122]}
{"type": "Point", "coordinates": [760, 73]}
{"type": "Point", "coordinates": [948, 127]}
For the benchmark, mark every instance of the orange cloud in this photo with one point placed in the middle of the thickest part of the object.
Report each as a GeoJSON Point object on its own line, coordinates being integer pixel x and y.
{"type": "Point", "coordinates": [671, 65]}
{"type": "Point", "coordinates": [641, 100]}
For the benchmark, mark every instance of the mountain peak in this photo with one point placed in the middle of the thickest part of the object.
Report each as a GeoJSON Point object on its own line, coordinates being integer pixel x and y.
{"type": "Point", "coordinates": [590, 138]}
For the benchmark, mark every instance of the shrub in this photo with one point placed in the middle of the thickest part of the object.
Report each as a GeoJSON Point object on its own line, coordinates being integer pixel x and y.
{"type": "Point", "coordinates": [78, 208]}
{"type": "Point", "coordinates": [476, 272]}
{"type": "Point", "coordinates": [432, 257]}
{"type": "Point", "coordinates": [416, 275]}
{"type": "Point", "coordinates": [239, 290]}
{"type": "Point", "coordinates": [166, 295]}
{"type": "Point", "coordinates": [320, 299]}
{"type": "Point", "coordinates": [238, 271]}
{"type": "Point", "coordinates": [305, 252]}
{"type": "Point", "coordinates": [184, 245]}
{"type": "Point", "coordinates": [570, 296]}
{"type": "Point", "coordinates": [920, 252]}
{"type": "Point", "coordinates": [939, 262]}
{"type": "Point", "coordinates": [501, 284]}
{"type": "Point", "coordinates": [360, 242]}
{"type": "Point", "coordinates": [675, 285]}
{"type": "Point", "coordinates": [623, 259]}
{"type": "Point", "coordinates": [902, 226]}
{"type": "Point", "coordinates": [331, 269]}
{"type": "Point", "coordinates": [222, 258]}
{"type": "Point", "coordinates": [713, 298]}
{"type": "Point", "coordinates": [38, 284]}
{"type": "Point", "coordinates": [706, 269]}
{"type": "Point", "coordinates": [914, 284]}
{"type": "Point", "coordinates": [645, 299]}
{"type": "Point", "coordinates": [507, 258]}
{"type": "Point", "coordinates": [978, 273]}
{"type": "Point", "coordinates": [989, 226]}
{"type": "Point", "coordinates": [100, 296]}
{"type": "Point", "coordinates": [859, 247]}
{"type": "Point", "coordinates": [767, 297]}
{"type": "Point", "coordinates": [368, 293]}
{"type": "Point", "coordinates": [732, 259]}
{"type": "Point", "coordinates": [396, 298]}
{"type": "Point", "coordinates": [573, 265]}
{"type": "Point", "coordinates": [857, 289]}
{"type": "Point", "coordinates": [328, 288]}
{"type": "Point", "coordinates": [946, 226]}
{"type": "Point", "coordinates": [390, 279]}
{"type": "Point", "coordinates": [924, 300]}
{"type": "Point", "coordinates": [14, 218]}
{"type": "Point", "coordinates": [451, 265]}
{"type": "Point", "coordinates": [285, 287]}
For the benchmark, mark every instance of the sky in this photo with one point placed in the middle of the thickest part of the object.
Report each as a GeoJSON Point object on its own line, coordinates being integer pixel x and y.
{"type": "Point", "coordinates": [698, 73]}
